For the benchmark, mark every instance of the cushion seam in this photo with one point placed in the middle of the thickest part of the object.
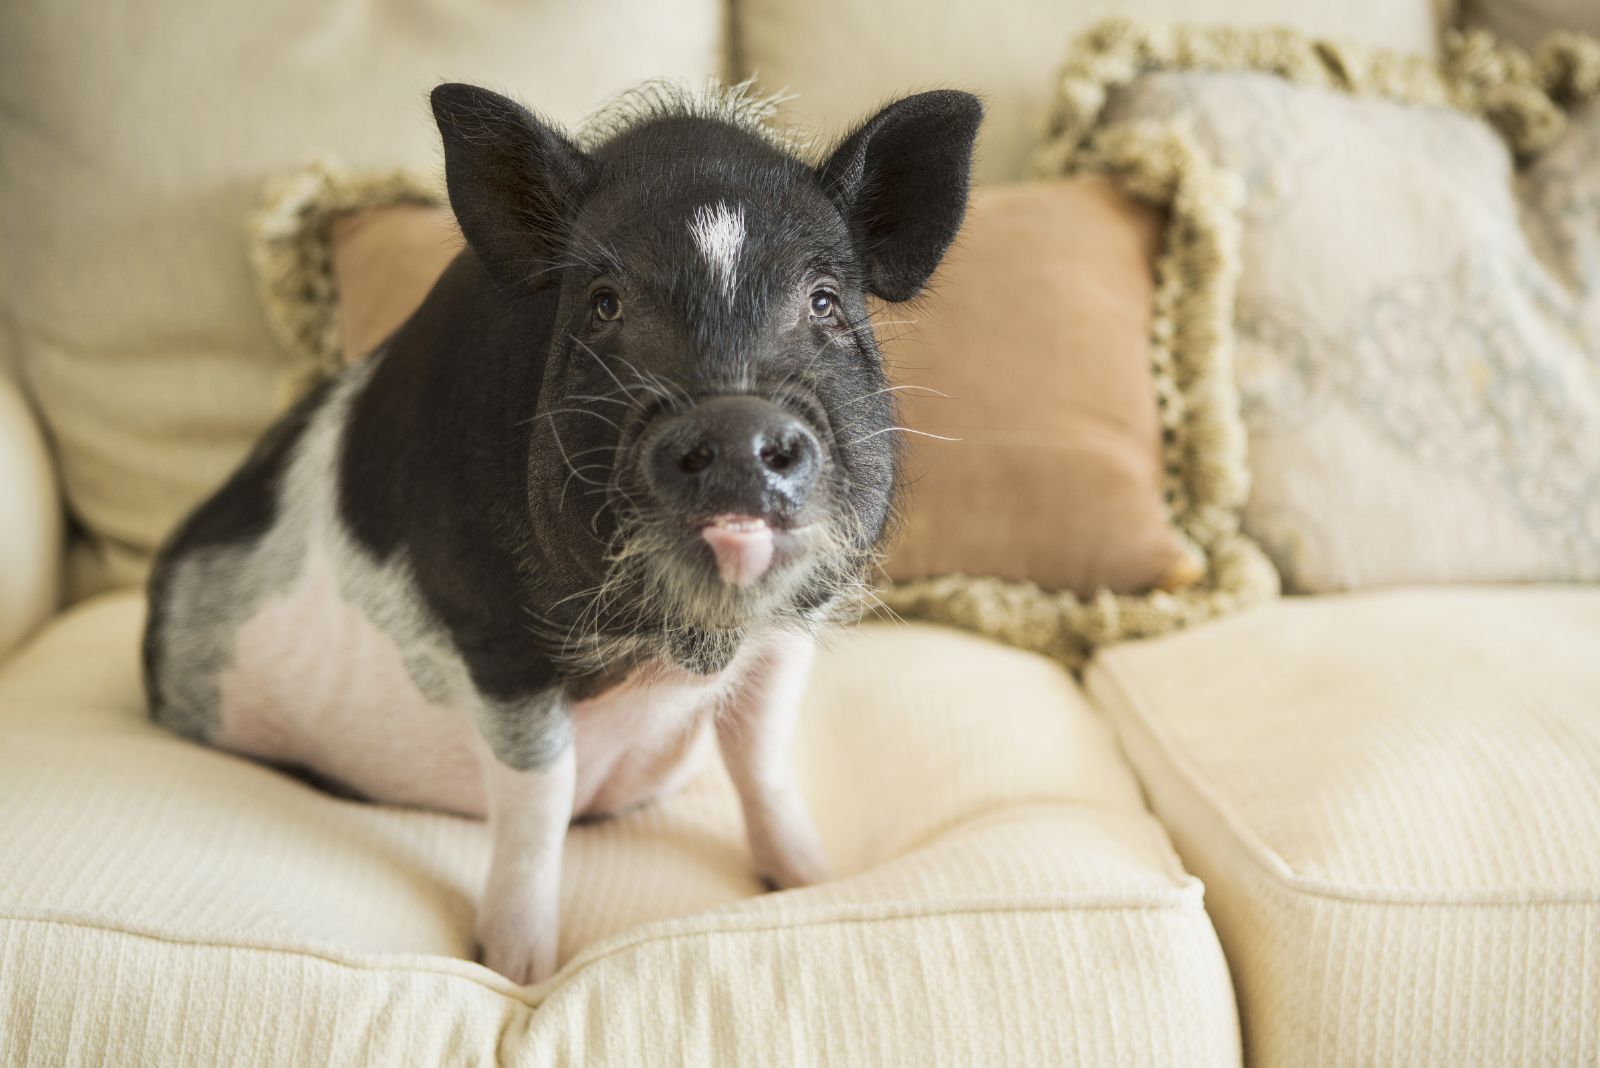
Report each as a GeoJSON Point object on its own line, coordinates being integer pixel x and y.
{"type": "Point", "coordinates": [534, 997]}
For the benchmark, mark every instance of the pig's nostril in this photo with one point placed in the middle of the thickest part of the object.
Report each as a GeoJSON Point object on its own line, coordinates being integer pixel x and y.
{"type": "Point", "coordinates": [697, 459]}
{"type": "Point", "coordinates": [777, 457]}
{"type": "Point", "coordinates": [736, 454]}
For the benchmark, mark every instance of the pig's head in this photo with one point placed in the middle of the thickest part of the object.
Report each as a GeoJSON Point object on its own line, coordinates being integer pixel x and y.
{"type": "Point", "coordinates": [714, 444]}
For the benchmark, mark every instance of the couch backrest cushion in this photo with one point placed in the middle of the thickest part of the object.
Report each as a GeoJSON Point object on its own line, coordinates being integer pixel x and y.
{"type": "Point", "coordinates": [135, 139]}
{"type": "Point", "coordinates": [844, 57]}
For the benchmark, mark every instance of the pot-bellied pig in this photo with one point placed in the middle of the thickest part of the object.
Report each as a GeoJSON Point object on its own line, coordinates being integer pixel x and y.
{"type": "Point", "coordinates": [591, 502]}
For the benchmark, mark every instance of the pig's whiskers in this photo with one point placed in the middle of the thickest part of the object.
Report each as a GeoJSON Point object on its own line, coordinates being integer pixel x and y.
{"type": "Point", "coordinates": [562, 449]}
{"type": "Point", "coordinates": [893, 389]}
{"type": "Point", "coordinates": [903, 430]}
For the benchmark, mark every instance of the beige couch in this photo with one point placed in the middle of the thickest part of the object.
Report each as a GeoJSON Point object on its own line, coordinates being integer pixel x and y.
{"type": "Point", "coordinates": [1392, 799]}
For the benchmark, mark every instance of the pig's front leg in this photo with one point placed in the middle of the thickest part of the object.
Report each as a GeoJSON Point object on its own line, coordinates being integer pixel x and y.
{"type": "Point", "coordinates": [755, 734]}
{"type": "Point", "coordinates": [529, 775]}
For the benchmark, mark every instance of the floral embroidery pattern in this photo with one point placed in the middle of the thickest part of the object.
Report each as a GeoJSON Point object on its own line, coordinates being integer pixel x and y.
{"type": "Point", "coordinates": [1417, 330]}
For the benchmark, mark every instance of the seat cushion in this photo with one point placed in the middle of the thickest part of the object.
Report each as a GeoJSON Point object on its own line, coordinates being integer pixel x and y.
{"type": "Point", "coordinates": [1394, 801]}
{"type": "Point", "coordinates": [1003, 893]}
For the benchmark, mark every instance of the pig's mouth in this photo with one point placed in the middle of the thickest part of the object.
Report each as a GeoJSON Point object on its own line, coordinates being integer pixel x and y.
{"type": "Point", "coordinates": [732, 511]}
{"type": "Point", "coordinates": [746, 547]}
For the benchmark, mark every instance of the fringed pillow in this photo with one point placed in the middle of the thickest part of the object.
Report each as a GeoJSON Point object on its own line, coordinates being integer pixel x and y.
{"type": "Point", "coordinates": [1416, 332]}
{"type": "Point", "coordinates": [1073, 478]}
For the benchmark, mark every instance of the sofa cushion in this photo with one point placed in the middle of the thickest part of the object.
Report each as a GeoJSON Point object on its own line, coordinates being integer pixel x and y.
{"type": "Point", "coordinates": [1003, 892]}
{"type": "Point", "coordinates": [136, 139]}
{"type": "Point", "coordinates": [842, 57]}
{"type": "Point", "coordinates": [1394, 801]}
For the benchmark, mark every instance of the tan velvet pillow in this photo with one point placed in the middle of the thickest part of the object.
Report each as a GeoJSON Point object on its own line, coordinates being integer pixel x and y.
{"type": "Point", "coordinates": [384, 262]}
{"type": "Point", "coordinates": [1033, 352]}
{"type": "Point", "coordinates": [1032, 349]}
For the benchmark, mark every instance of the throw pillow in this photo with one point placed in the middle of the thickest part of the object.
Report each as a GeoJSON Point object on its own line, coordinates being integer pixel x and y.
{"type": "Point", "coordinates": [1054, 522]}
{"type": "Point", "coordinates": [1417, 324]}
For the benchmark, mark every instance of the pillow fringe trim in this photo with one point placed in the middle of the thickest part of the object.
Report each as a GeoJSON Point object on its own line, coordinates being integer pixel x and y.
{"type": "Point", "coordinates": [1206, 479]}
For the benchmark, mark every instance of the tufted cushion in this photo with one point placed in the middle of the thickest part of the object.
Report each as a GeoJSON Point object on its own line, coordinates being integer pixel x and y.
{"type": "Point", "coordinates": [1003, 894]}
{"type": "Point", "coordinates": [1394, 800]}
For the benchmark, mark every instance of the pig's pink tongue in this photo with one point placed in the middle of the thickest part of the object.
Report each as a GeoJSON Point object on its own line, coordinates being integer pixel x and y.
{"type": "Point", "coordinates": [743, 547]}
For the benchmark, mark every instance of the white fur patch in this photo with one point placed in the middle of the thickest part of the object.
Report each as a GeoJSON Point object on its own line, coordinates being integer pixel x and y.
{"type": "Point", "coordinates": [719, 231]}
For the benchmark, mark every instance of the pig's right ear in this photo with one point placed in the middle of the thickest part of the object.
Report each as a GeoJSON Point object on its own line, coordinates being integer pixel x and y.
{"type": "Point", "coordinates": [514, 182]}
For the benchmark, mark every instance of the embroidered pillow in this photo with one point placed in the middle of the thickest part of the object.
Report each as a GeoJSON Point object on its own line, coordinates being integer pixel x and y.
{"type": "Point", "coordinates": [1417, 321]}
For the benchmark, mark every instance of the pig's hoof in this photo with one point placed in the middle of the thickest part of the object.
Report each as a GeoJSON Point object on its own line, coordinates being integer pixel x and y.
{"type": "Point", "coordinates": [520, 959]}
{"type": "Point", "coordinates": [517, 963]}
{"type": "Point", "coordinates": [792, 876]}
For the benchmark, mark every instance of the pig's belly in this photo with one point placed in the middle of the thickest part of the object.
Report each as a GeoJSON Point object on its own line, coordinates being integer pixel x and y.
{"type": "Point", "coordinates": [314, 683]}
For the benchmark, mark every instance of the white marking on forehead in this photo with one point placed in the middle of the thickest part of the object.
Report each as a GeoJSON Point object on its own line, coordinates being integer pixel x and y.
{"type": "Point", "coordinates": [719, 231]}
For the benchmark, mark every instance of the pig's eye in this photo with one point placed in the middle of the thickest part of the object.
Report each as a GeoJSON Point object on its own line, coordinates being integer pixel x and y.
{"type": "Point", "coordinates": [607, 306]}
{"type": "Point", "coordinates": [823, 304]}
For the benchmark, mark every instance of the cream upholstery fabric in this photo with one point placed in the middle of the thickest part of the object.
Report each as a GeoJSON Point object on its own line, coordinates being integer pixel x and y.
{"type": "Point", "coordinates": [1004, 896]}
{"type": "Point", "coordinates": [30, 520]}
{"type": "Point", "coordinates": [1394, 801]}
{"type": "Point", "coordinates": [136, 140]}
{"type": "Point", "coordinates": [843, 57]}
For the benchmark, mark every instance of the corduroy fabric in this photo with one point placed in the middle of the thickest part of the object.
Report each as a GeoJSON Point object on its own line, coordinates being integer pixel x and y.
{"type": "Point", "coordinates": [1003, 895]}
{"type": "Point", "coordinates": [1394, 801]}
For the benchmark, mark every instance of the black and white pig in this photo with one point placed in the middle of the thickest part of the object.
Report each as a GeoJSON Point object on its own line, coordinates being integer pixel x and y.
{"type": "Point", "coordinates": [591, 501]}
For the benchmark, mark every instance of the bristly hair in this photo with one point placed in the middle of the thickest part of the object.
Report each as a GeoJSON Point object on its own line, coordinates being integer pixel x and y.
{"type": "Point", "coordinates": [738, 105]}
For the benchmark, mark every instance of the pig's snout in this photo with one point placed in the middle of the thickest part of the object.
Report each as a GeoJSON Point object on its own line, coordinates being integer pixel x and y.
{"type": "Point", "coordinates": [736, 454]}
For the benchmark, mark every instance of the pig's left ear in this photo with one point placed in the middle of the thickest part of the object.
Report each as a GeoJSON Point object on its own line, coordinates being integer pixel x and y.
{"type": "Point", "coordinates": [514, 181]}
{"type": "Point", "coordinates": [901, 181]}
